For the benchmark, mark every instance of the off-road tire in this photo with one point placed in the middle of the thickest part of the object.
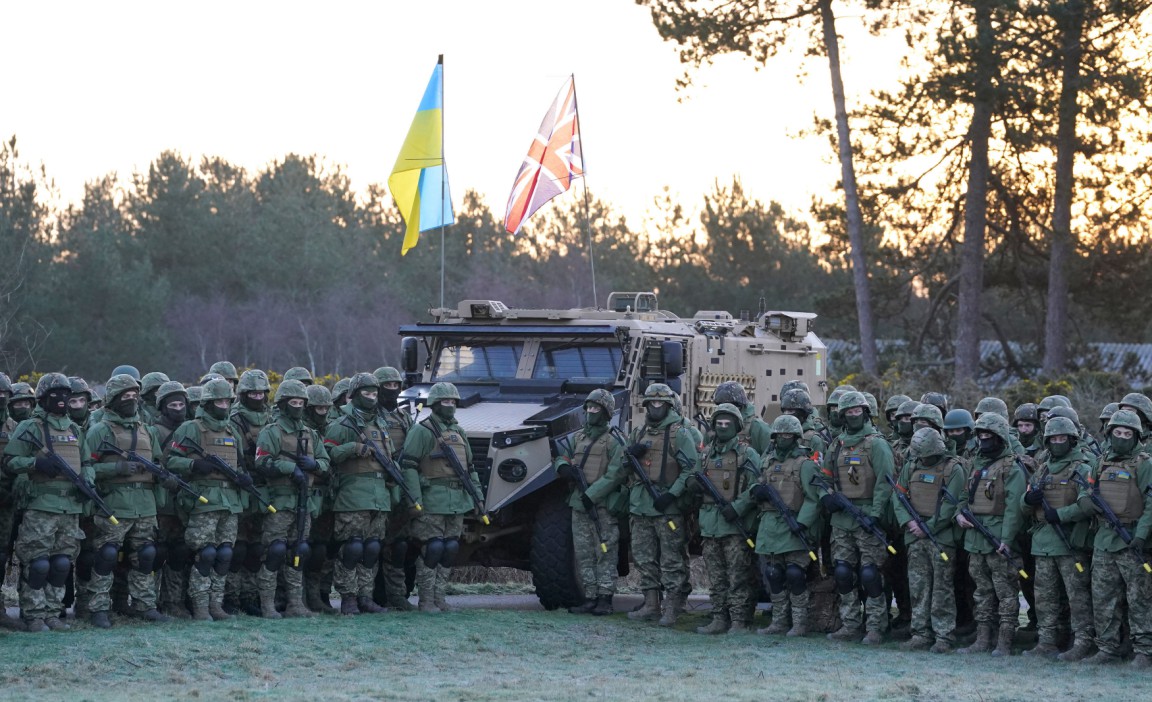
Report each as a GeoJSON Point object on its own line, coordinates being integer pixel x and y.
{"type": "Point", "coordinates": [551, 556]}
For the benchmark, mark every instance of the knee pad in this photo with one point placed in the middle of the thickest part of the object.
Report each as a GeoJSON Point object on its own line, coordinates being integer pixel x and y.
{"type": "Point", "coordinates": [276, 555]}
{"type": "Point", "coordinates": [300, 554]}
{"type": "Point", "coordinates": [254, 558]}
{"type": "Point", "coordinates": [106, 557]}
{"type": "Point", "coordinates": [371, 553]}
{"type": "Point", "coordinates": [774, 576]}
{"type": "Point", "coordinates": [58, 568]}
{"type": "Point", "coordinates": [162, 552]}
{"type": "Point", "coordinates": [239, 555]}
{"type": "Point", "coordinates": [318, 558]}
{"type": "Point", "coordinates": [224, 556]}
{"type": "Point", "coordinates": [433, 552]}
{"type": "Point", "coordinates": [796, 579]}
{"type": "Point", "coordinates": [451, 548]}
{"type": "Point", "coordinates": [399, 552]}
{"type": "Point", "coordinates": [845, 576]}
{"type": "Point", "coordinates": [206, 560]}
{"type": "Point", "coordinates": [179, 556]}
{"type": "Point", "coordinates": [38, 574]}
{"type": "Point", "coordinates": [872, 580]}
{"type": "Point", "coordinates": [352, 552]}
{"type": "Point", "coordinates": [84, 563]}
{"type": "Point", "coordinates": [146, 558]}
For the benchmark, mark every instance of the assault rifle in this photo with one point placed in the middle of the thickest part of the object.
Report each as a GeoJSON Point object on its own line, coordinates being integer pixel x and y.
{"type": "Point", "coordinates": [789, 517]}
{"type": "Point", "coordinates": [87, 490]}
{"type": "Point", "coordinates": [1056, 526]}
{"type": "Point", "coordinates": [865, 522]}
{"type": "Point", "coordinates": [994, 542]}
{"type": "Point", "coordinates": [385, 462]}
{"type": "Point", "coordinates": [710, 488]}
{"type": "Point", "coordinates": [589, 507]}
{"type": "Point", "coordinates": [916, 518]}
{"type": "Point", "coordinates": [301, 549]}
{"type": "Point", "coordinates": [190, 445]}
{"type": "Point", "coordinates": [649, 487]}
{"type": "Point", "coordinates": [159, 471]}
{"type": "Point", "coordinates": [1106, 511]}
{"type": "Point", "coordinates": [461, 473]}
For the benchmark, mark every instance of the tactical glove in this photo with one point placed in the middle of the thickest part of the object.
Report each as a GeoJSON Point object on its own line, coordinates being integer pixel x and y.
{"type": "Point", "coordinates": [567, 471]}
{"type": "Point", "coordinates": [1137, 545]}
{"type": "Point", "coordinates": [664, 501]}
{"type": "Point", "coordinates": [47, 466]}
{"type": "Point", "coordinates": [202, 466]}
{"type": "Point", "coordinates": [363, 450]}
{"type": "Point", "coordinates": [730, 514]}
{"type": "Point", "coordinates": [1033, 497]}
{"type": "Point", "coordinates": [1087, 506]}
{"type": "Point", "coordinates": [307, 464]}
{"type": "Point", "coordinates": [128, 468]}
{"type": "Point", "coordinates": [761, 492]}
{"type": "Point", "coordinates": [298, 477]}
{"type": "Point", "coordinates": [589, 505]}
{"type": "Point", "coordinates": [1050, 515]}
{"type": "Point", "coordinates": [638, 450]}
{"type": "Point", "coordinates": [244, 481]}
{"type": "Point", "coordinates": [830, 504]}
{"type": "Point", "coordinates": [171, 483]}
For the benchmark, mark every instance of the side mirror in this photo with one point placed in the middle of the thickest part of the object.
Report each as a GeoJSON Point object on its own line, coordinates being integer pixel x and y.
{"type": "Point", "coordinates": [409, 354]}
{"type": "Point", "coordinates": [673, 353]}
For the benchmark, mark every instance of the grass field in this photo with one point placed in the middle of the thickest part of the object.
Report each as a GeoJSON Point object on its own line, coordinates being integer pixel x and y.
{"type": "Point", "coordinates": [479, 655]}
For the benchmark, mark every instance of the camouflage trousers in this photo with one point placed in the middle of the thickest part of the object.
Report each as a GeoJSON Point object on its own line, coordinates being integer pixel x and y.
{"type": "Point", "coordinates": [728, 561]}
{"type": "Point", "coordinates": [433, 582]}
{"type": "Point", "coordinates": [931, 587]}
{"type": "Point", "coordinates": [321, 568]}
{"type": "Point", "coordinates": [394, 579]}
{"type": "Point", "coordinates": [44, 534]}
{"type": "Point", "coordinates": [129, 535]}
{"type": "Point", "coordinates": [997, 596]}
{"type": "Point", "coordinates": [281, 526]}
{"type": "Point", "coordinates": [1115, 577]}
{"type": "Point", "coordinates": [241, 581]}
{"type": "Point", "coordinates": [358, 579]}
{"type": "Point", "coordinates": [660, 554]}
{"type": "Point", "coordinates": [785, 601]}
{"type": "Point", "coordinates": [1056, 576]}
{"type": "Point", "coordinates": [597, 568]}
{"type": "Point", "coordinates": [173, 582]}
{"type": "Point", "coordinates": [208, 529]}
{"type": "Point", "coordinates": [858, 548]}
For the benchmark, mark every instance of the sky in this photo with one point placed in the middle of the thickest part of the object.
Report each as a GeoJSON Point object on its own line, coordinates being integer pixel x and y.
{"type": "Point", "coordinates": [98, 87]}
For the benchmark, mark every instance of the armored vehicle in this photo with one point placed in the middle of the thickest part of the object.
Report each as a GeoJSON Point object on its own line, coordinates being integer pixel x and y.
{"type": "Point", "coordinates": [523, 375]}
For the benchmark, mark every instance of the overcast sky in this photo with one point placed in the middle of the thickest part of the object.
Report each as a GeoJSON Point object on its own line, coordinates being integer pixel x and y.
{"type": "Point", "coordinates": [94, 87]}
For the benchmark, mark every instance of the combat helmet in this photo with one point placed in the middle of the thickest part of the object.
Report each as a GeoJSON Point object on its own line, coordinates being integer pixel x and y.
{"type": "Point", "coordinates": [217, 389]}
{"type": "Point", "coordinates": [928, 413]}
{"type": "Point", "coordinates": [22, 391]}
{"type": "Point", "coordinates": [794, 384]}
{"type": "Point", "coordinates": [443, 391]}
{"type": "Point", "coordinates": [52, 381]}
{"type": "Point", "coordinates": [1125, 418]}
{"type": "Point", "coordinates": [995, 424]}
{"type": "Point", "coordinates": [603, 399]}
{"type": "Point", "coordinates": [926, 442]}
{"type": "Point", "coordinates": [660, 391]}
{"type": "Point", "coordinates": [289, 390]}
{"type": "Point", "coordinates": [907, 408]}
{"type": "Point", "coordinates": [1026, 412]}
{"type": "Point", "coordinates": [387, 374]}
{"type": "Point", "coordinates": [253, 380]}
{"type": "Point", "coordinates": [730, 409]}
{"type": "Point", "coordinates": [340, 391]}
{"type": "Point", "coordinates": [1066, 413]}
{"type": "Point", "coordinates": [938, 400]}
{"type": "Point", "coordinates": [1060, 425]}
{"type": "Point", "coordinates": [225, 370]}
{"type": "Point", "coordinates": [79, 386]}
{"type": "Point", "coordinates": [892, 404]}
{"type": "Point", "coordinates": [5, 383]}
{"type": "Point", "coordinates": [993, 405]}
{"type": "Point", "coordinates": [837, 393]}
{"type": "Point", "coordinates": [151, 382]}
{"type": "Point", "coordinates": [1140, 404]}
{"type": "Point", "coordinates": [729, 392]}
{"type": "Point", "coordinates": [786, 424]}
{"type": "Point", "coordinates": [852, 399]}
{"type": "Point", "coordinates": [126, 370]}
{"type": "Point", "coordinates": [959, 419]}
{"type": "Point", "coordinates": [873, 408]}
{"type": "Point", "coordinates": [319, 396]}
{"type": "Point", "coordinates": [299, 373]}
{"type": "Point", "coordinates": [170, 388]}
{"type": "Point", "coordinates": [796, 399]}
{"type": "Point", "coordinates": [117, 385]}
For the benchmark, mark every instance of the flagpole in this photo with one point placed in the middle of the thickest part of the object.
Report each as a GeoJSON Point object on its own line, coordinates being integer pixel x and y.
{"type": "Point", "coordinates": [587, 215]}
{"type": "Point", "coordinates": [443, 180]}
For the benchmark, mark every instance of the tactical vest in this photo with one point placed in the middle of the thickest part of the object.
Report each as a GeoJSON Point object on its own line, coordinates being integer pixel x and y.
{"type": "Point", "coordinates": [724, 472]}
{"type": "Point", "coordinates": [660, 468]}
{"type": "Point", "coordinates": [397, 428]}
{"type": "Point", "coordinates": [222, 444]}
{"type": "Point", "coordinates": [131, 438]}
{"type": "Point", "coordinates": [991, 491]}
{"type": "Point", "coordinates": [1058, 491]}
{"type": "Point", "coordinates": [785, 477]}
{"type": "Point", "coordinates": [436, 466]}
{"type": "Point", "coordinates": [1120, 487]}
{"type": "Point", "coordinates": [64, 445]}
{"type": "Point", "coordinates": [924, 486]}
{"type": "Point", "coordinates": [854, 470]}
{"type": "Point", "coordinates": [288, 446]}
{"type": "Point", "coordinates": [595, 463]}
{"type": "Point", "coordinates": [6, 428]}
{"type": "Point", "coordinates": [360, 465]}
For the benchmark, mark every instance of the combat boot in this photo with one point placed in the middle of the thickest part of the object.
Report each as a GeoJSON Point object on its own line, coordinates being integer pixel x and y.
{"type": "Point", "coordinates": [872, 638]}
{"type": "Point", "coordinates": [983, 642]}
{"type": "Point", "coordinates": [1079, 651]}
{"type": "Point", "coordinates": [941, 646]}
{"type": "Point", "coordinates": [442, 602]}
{"type": "Point", "coordinates": [315, 602]}
{"type": "Point", "coordinates": [296, 607]}
{"type": "Point", "coordinates": [585, 607]}
{"type": "Point", "coordinates": [799, 622]}
{"type": "Point", "coordinates": [399, 603]}
{"type": "Point", "coordinates": [367, 606]}
{"type": "Point", "coordinates": [268, 605]}
{"type": "Point", "coordinates": [845, 633]}
{"type": "Point", "coordinates": [200, 612]}
{"type": "Point", "coordinates": [650, 610]}
{"type": "Point", "coordinates": [176, 611]}
{"type": "Point", "coordinates": [36, 626]}
{"type": "Point", "coordinates": [154, 615]}
{"type": "Point", "coordinates": [216, 611]}
{"type": "Point", "coordinates": [100, 620]}
{"type": "Point", "coordinates": [1004, 641]}
{"type": "Point", "coordinates": [1102, 658]}
{"type": "Point", "coordinates": [57, 624]}
{"type": "Point", "coordinates": [1044, 649]}
{"type": "Point", "coordinates": [673, 605]}
{"type": "Point", "coordinates": [348, 606]}
{"type": "Point", "coordinates": [11, 623]}
{"type": "Point", "coordinates": [718, 625]}
{"type": "Point", "coordinates": [778, 627]}
{"type": "Point", "coordinates": [738, 627]}
{"type": "Point", "coordinates": [1141, 661]}
{"type": "Point", "coordinates": [916, 643]}
{"type": "Point", "coordinates": [603, 605]}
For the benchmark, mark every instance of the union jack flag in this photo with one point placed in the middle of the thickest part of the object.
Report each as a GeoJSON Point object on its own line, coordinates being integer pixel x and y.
{"type": "Point", "coordinates": [553, 160]}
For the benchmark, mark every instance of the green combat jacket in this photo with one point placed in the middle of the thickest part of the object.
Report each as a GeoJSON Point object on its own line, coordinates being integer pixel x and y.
{"type": "Point", "coordinates": [682, 453]}
{"type": "Point", "coordinates": [1106, 537]}
{"type": "Point", "coordinates": [128, 496]}
{"type": "Point", "coordinates": [772, 534]}
{"type": "Point", "coordinates": [940, 521]}
{"type": "Point", "coordinates": [221, 493]}
{"type": "Point", "coordinates": [586, 440]}
{"type": "Point", "coordinates": [877, 507]}
{"type": "Point", "coordinates": [1005, 527]}
{"type": "Point", "coordinates": [712, 523]}
{"type": "Point", "coordinates": [757, 431]}
{"type": "Point", "coordinates": [55, 495]}
{"type": "Point", "coordinates": [438, 495]}
{"type": "Point", "coordinates": [276, 468]}
{"type": "Point", "coordinates": [1075, 523]}
{"type": "Point", "coordinates": [358, 482]}
{"type": "Point", "coordinates": [249, 424]}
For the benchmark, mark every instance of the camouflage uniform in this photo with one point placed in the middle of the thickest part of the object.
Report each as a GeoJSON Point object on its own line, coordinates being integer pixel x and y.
{"type": "Point", "coordinates": [8, 497]}
{"type": "Point", "coordinates": [666, 452]}
{"type": "Point", "coordinates": [249, 416]}
{"type": "Point", "coordinates": [170, 520]}
{"type": "Point", "coordinates": [592, 451]}
{"type": "Point", "coordinates": [930, 576]}
{"type": "Point", "coordinates": [391, 583]}
{"type": "Point", "coordinates": [319, 572]}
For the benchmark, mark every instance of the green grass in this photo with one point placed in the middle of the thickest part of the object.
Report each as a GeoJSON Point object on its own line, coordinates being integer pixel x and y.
{"type": "Point", "coordinates": [478, 655]}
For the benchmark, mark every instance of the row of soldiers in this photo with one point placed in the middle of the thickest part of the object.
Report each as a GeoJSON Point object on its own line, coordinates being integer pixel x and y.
{"type": "Point", "coordinates": [214, 496]}
{"type": "Point", "coordinates": [1005, 500]}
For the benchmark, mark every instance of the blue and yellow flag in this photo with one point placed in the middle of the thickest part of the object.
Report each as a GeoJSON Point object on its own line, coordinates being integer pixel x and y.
{"type": "Point", "coordinates": [419, 183]}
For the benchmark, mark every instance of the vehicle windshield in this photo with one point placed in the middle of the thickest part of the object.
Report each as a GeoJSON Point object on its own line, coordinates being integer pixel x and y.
{"type": "Point", "coordinates": [568, 360]}
{"type": "Point", "coordinates": [479, 361]}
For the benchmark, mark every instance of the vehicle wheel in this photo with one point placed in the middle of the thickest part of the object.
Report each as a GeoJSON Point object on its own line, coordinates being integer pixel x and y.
{"type": "Point", "coordinates": [551, 557]}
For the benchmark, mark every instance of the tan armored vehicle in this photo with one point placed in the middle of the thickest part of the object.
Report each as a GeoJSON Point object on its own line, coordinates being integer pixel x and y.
{"type": "Point", "coordinates": [523, 375]}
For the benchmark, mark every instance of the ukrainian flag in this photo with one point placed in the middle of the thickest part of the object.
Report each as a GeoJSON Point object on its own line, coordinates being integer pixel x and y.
{"type": "Point", "coordinates": [419, 183]}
